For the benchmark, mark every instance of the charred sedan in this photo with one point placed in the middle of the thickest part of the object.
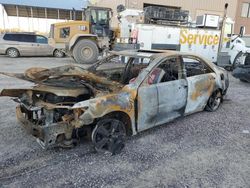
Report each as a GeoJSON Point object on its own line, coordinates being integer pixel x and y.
{"type": "Point", "coordinates": [122, 94]}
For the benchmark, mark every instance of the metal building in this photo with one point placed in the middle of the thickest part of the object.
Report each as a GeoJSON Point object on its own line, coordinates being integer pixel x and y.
{"type": "Point", "coordinates": [38, 15]}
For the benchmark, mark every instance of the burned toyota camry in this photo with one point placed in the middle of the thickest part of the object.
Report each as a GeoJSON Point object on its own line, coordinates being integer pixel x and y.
{"type": "Point", "coordinates": [123, 94]}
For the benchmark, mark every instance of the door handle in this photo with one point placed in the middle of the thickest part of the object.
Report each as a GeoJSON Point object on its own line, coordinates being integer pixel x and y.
{"type": "Point", "coordinates": [184, 86]}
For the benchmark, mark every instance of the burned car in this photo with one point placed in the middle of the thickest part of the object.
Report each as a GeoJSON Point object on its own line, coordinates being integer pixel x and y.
{"type": "Point", "coordinates": [122, 94]}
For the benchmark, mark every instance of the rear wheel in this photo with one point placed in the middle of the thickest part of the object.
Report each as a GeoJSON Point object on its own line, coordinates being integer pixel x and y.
{"type": "Point", "coordinates": [109, 135]}
{"type": "Point", "coordinates": [12, 52]}
{"type": "Point", "coordinates": [214, 101]}
{"type": "Point", "coordinates": [85, 51]}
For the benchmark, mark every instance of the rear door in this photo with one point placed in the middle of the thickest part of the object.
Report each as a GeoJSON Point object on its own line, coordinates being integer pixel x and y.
{"type": "Point", "coordinates": [145, 35]}
{"type": "Point", "coordinates": [27, 44]}
{"type": "Point", "coordinates": [201, 83]}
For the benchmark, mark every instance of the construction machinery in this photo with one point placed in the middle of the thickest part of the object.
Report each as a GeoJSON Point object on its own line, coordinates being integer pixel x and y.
{"type": "Point", "coordinates": [84, 40]}
{"type": "Point", "coordinates": [155, 27]}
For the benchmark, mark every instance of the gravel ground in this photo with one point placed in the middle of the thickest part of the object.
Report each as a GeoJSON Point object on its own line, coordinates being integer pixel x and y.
{"type": "Point", "coordinates": [201, 150]}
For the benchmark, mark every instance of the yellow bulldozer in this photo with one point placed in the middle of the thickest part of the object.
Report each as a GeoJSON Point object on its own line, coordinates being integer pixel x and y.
{"type": "Point", "coordinates": [84, 40]}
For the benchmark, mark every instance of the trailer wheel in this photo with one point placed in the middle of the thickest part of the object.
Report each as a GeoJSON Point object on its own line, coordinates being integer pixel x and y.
{"type": "Point", "coordinates": [85, 51]}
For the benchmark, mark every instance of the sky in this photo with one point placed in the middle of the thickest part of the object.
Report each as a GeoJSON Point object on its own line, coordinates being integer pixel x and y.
{"type": "Point", "coordinates": [64, 4]}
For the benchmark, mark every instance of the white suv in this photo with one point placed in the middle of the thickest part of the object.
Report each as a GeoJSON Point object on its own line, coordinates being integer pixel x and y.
{"type": "Point", "coordinates": [27, 44]}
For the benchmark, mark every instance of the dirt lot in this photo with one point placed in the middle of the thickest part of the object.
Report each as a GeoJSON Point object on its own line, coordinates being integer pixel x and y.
{"type": "Point", "coordinates": [201, 150]}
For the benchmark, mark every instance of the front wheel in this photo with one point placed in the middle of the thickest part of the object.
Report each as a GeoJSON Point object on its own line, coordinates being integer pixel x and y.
{"type": "Point", "coordinates": [214, 101]}
{"type": "Point", "coordinates": [85, 51]}
{"type": "Point", "coordinates": [109, 135]}
{"type": "Point", "coordinates": [238, 60]}
{"type": "Point", "coordinates": [58, 53]}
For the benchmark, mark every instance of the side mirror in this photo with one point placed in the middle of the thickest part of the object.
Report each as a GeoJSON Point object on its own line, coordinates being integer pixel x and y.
{"type": "Point", "coordinates": [242, 31]}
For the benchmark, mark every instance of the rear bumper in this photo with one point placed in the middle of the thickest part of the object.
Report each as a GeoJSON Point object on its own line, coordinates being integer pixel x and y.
{"type": "Point", "coordinates": [47, 135]}
{"type": "Point", "coordinates": [2, 50]}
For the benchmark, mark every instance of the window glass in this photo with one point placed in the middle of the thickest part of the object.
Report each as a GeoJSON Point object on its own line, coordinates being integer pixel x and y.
{"type": "Point", "coordinates": [11, 37]}
{"type": "Point", "coordinates": [64, 32]}
{"type": "Point", "coordinates": [195, 67]}
{"type": "Point", "coordinates": [102, 17]}
{"type": "Point", "coordinates": [26, 38]}
{"type": "Point", "coordinates": [93, 17]}
{"type": "Point", "coordinates": [165, 72]}
{"type": "Point", "coordinates": [41, 40]}
{"type": "Point", "coordinates": [245, 10]}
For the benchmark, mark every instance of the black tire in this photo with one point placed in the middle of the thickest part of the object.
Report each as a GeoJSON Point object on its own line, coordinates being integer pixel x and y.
{"type": "Point", "coordinates": [109, 135]}
{"type": "Point", "coordinates": [13, 52]}
{"type": "Point", "coordinates": [214, 101]}
{"type": "Point", "coordinates": [85, 51]}
{"type": "Point", "coordinates": [58, 53]}
{"type": "Point", "coordinates": [236, 62]}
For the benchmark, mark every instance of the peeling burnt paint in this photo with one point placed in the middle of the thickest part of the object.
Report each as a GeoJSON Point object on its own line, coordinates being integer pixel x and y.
{"type": "Point", "coordinates": [202, 86]}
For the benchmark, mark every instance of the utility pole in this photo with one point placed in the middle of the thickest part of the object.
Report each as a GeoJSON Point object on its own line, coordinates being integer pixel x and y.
{"type": "Point", "coordinates": [223, 28]}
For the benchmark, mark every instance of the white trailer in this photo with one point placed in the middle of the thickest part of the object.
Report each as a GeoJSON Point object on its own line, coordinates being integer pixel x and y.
{"type": "Point", "coordinates": [204, 42]}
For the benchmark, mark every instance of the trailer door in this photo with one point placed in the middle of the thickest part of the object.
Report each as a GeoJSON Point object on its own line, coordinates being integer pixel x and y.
{"type": "Point", "coordinates": [145, 37]}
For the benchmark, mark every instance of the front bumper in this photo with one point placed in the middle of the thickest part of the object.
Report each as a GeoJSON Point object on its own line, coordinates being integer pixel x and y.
{"type": "Point", "coordinates": [47, 135]}
{"type": "Point", "coordinates": [242, 72]}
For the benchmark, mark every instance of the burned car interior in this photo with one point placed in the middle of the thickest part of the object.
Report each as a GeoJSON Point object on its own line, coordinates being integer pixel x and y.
{"type": "Point", "coordinates": [124, 69]}
{"type": "Point", "coordinates": [105, 101]}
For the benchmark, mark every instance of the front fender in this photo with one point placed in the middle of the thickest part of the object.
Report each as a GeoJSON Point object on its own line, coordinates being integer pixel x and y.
{"type": "Point", "coordinates": [99, 107]}
{"type": "Point", "coordinates": [75, 38]}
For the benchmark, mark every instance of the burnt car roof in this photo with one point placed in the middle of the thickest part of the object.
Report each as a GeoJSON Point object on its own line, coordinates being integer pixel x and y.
{"type": "Point", "coordinates": [141, 53]}
{"type": "Point", "coordinates": [149, 53]}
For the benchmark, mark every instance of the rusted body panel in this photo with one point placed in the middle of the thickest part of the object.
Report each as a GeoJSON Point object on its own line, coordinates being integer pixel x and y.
{"type": "Point", "coordinates": [67, 98]}
{"type": "Point", "coordinates": [200, 89]}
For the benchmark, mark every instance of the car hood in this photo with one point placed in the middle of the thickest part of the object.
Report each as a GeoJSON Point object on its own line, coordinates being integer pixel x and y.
{"type": "Point", "coordinates": [63, 81]}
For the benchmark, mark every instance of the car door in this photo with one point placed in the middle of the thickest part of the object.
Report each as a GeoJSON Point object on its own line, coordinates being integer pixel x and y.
{"type": "Point", "coordinates": [201, 83]}
{"type": "Point", "coordinates": [172, 91]}
{"type": "Point", "coordinates": [27, 44]}
{"type": "Point", "coordinates": [164, 98]}
{"type": "Point", "coordinates": [44, 49]}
